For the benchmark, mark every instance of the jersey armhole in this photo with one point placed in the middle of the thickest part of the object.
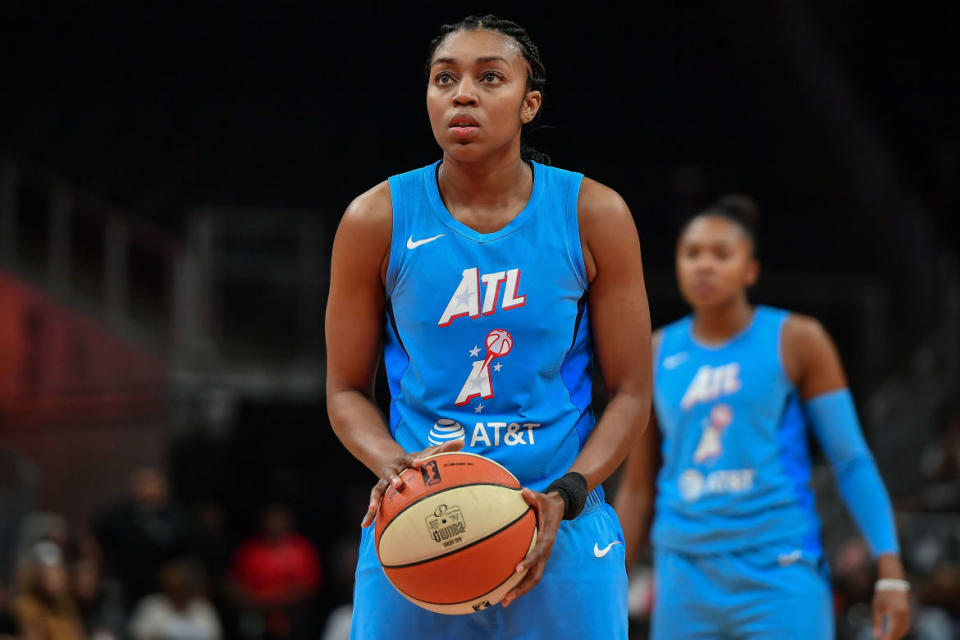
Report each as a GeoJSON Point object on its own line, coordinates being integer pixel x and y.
{"type": "Point", "coordinates": [574, 246]}
{"type": "Point", "coordinates": [396, 236]}
{"type": "Point", "coordinates": [656, 342]}
{"type": "Point", "coordinates": [781, 365]}
{"type": "Point", "coordinates": [656, 346]}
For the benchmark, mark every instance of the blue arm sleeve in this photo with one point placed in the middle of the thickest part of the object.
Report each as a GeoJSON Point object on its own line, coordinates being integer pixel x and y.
{"type": "Point", "coordinates": [835, 424]}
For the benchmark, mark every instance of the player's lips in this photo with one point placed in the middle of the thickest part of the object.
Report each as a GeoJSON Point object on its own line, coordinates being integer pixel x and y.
{"type": "Point", "coordinates": [463, 126]}
{"type": "Point", "coordinates": [703, 287]}
{"type": "Point", "coordinates": [462, 120]}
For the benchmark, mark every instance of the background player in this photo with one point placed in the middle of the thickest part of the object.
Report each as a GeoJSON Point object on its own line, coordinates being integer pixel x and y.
{"type": "Point", "coordinates": [736, 536]}
{"type": "Point", "coordinates": [440, 258]}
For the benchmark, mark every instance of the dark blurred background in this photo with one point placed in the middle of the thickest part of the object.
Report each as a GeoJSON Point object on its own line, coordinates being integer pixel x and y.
{"type": "Point", "coordinates": [171, 180]}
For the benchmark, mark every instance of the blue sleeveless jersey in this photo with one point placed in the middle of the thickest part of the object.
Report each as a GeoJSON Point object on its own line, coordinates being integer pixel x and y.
{"type": "Point", "coordinates": [736, 462]}
{"type": "Point", "coordinates": [487, 335]}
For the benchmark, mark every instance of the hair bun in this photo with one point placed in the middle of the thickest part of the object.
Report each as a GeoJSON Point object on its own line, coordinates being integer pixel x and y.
{"type": "Point", "coordinates": [741, 208]}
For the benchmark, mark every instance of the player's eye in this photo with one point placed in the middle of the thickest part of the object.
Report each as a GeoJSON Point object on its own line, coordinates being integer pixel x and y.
{"type": "Point", "coordinates": [490, 76]}
{"type": "Point", "coordinates": [443, 78]}
{"type": "Point", "coordinates": [722, 253]}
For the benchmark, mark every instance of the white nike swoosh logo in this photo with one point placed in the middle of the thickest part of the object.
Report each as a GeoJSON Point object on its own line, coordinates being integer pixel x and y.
{"type": "Point", "coordinates": [413, 244]}
{"type": "Point", "coordinates": [674, 361]}
{"type": "Point", "coordinates": [598, 552]}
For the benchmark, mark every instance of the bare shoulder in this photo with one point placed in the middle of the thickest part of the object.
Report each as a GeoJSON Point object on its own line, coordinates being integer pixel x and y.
{"type": "Point", "coordinates": [607, 230]}
{"type": "Point", "coordinates": [808, 353]}
{"type": "Point", "coordinates": [366, 228]}
{"type": "Point", "coordinates": [598, 204]}
{"type": "Point", "coordinates": [803, 332]}
{"type": "Point", "coordinates": [371, 211]}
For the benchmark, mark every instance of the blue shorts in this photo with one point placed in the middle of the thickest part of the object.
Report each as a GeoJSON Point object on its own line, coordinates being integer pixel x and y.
{"type": "Point", "coordinates": [768, 593]}
{"type": "Point", "coordinates": [582, 594]}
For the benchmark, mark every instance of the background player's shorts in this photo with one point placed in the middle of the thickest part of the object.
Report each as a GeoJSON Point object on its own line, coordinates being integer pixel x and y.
{"type": "Point", "coordinates": [772, 592]}
{"type": "Point", "coordinates": [580, 597]}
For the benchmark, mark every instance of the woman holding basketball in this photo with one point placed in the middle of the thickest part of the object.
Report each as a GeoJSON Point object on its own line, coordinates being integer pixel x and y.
{"type": "Point", "coordinates": [736, 536]}
{"type": "Point", "coordinates": [489, 278]}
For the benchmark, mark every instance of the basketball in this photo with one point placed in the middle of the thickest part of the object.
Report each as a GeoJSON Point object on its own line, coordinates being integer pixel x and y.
{"type": "Point", "coordinates": [499, 342]}
{"type": "Point", "coordinates": [451, 539]}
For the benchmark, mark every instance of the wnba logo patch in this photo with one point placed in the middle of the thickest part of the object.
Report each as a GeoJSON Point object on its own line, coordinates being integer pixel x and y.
{"type": "Point", "coordinates": [446, 525]}
{"type": "Point", "coordinates": [430, 471]}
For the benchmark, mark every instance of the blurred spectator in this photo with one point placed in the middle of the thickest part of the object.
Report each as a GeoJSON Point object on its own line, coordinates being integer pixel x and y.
{"type": "Point", "coordinates": [211, 543]}
{"type": "Point", "coordinates": [8, 623]}
{"type": "Point", "coordinates": [337, 626]}
{"type": "Point", "coordinates": [45, 608]}
{"type": "Point", "coordinates": [939, 614]}
{"type": "Point", "coordinates": [276, 575]}
{"type": "Point", "coordinates": [140, 535]}
{"type": "Point", "coordinates": [100, 602]}
{"type": "Point", "coordinates": [38, 526]}
{"type": "Point", "coordinates": [180, 612]}
{"type": "Point", "coordinates": [941, 464]}
{"type": "Point", "coordinates": [212, 547]}
{"type": "Point", "coordinates": [852, 574]}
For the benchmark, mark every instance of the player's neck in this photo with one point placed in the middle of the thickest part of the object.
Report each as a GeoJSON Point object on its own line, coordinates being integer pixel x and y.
{"type": "Point", "coordinates": [716, 325]}
{"type": "Point", "coordinates": [493, 184]}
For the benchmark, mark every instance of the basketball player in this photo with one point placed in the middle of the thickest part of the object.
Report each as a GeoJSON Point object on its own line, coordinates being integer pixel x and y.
{"type": "Point", "coordinates": [736, 537]}
{"type": "Point", "coordinates": [490, 278]}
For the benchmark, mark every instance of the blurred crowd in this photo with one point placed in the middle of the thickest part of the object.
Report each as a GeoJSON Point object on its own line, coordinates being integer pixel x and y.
{"type": "Point", "coordinates": [151, 569]}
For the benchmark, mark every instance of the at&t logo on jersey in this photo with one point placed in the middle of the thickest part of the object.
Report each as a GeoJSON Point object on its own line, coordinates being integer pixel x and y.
{"type": "Point", "coordinates": [693, 485]}
{"type": "Point", "coordinates": [485, 434]}
{"type": "Point", "coordinates": [711, 383]}
{"type": "Point", "coordinates": [445, 430]}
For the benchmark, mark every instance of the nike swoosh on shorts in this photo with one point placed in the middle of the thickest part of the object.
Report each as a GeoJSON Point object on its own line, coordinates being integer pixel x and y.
{"type": "Point", "coordinates": [598, 552]}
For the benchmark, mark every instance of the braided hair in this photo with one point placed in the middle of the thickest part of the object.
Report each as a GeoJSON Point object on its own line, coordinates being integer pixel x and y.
{"type": "Point", "coordinates": [536, 76]}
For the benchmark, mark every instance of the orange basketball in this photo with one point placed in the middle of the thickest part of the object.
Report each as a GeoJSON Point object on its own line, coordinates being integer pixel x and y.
{"type": "Point", "coordinates": [451, 539]}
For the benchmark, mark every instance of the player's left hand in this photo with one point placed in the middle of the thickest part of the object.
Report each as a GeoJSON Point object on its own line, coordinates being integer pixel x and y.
{"type": "Point", "coordinates": [549, 510]}
{"type": "Point", "coordinates": [892, 607]}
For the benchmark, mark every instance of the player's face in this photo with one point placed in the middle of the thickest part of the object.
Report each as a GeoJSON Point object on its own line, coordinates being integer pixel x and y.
{"type": "Point", "coordinates": [714, 262]}
{"type": "Point", "coordinates": [477, 96]}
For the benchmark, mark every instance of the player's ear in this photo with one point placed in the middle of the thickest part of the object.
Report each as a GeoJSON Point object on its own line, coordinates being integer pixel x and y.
{"type": "Point", "coordinates": [530, 107]}
{"type": "Point", "coordinates": [752, 273]}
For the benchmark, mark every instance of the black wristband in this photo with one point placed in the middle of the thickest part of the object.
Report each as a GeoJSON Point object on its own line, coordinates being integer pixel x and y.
{"type": "Point", "coordinates": [573, 489]}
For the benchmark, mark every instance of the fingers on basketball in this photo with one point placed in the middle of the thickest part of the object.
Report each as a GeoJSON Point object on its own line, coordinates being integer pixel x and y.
{"type": "Point", "coordinates": [529, 581]}
{"type": "Point", "coordinates": [376, 494]}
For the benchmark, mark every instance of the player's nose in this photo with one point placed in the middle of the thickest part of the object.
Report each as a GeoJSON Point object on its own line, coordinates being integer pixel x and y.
{"type": "Point", "coordinates": [704, 265]}
{"type": "Point", "coordinates": [466, 94]}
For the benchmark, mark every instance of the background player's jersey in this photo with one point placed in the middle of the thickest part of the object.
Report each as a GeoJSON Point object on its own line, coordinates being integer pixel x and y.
{"type": "Point", "coordinates": [736, 463]}
{"type": "Point", "coordinates": [487, 336]}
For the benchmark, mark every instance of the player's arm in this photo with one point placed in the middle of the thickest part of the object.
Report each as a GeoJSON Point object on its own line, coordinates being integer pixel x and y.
{"type": "Point", "coordinates": [354, 326]}
{"type": "Point", "coordinates": [812, 362]}
{"type": "Point", "coordinates": [620, 321]}
{"type": "Point", "coordinates": [634, 500]}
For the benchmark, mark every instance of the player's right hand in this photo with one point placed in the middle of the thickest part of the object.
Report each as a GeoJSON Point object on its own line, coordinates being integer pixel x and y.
{"type": "Point", "coordinates": [390, 474]}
